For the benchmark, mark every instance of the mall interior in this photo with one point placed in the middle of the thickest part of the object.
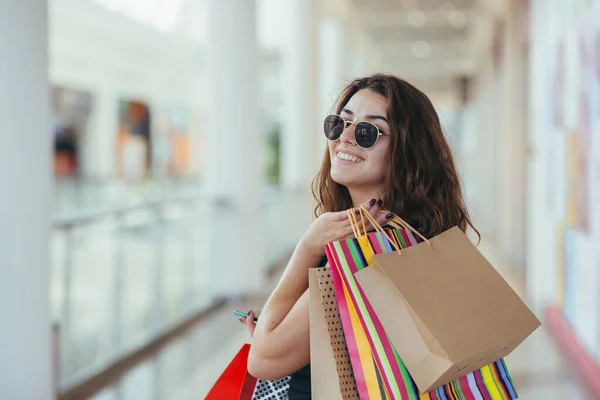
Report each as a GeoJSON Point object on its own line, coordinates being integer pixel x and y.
{"type": "Point", "coordinates": [158, 158]}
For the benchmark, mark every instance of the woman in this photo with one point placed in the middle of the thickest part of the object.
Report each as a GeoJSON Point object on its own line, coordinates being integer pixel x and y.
{"type": "Point", "coordinates": [386, 151]}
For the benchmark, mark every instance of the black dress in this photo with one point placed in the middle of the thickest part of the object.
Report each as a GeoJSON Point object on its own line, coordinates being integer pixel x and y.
{"type": "Point", "coordinates": [300, 380]}
{"type": "Point", "coordinates": [300, 384]}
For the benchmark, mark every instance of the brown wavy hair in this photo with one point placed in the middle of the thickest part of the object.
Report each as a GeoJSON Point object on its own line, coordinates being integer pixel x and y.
{"type": "Point", "coordinates": [422, 186]}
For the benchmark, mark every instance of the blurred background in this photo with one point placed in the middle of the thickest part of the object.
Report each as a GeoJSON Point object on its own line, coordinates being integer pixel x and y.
{"type": "Point", "coordinates": [158, 155]}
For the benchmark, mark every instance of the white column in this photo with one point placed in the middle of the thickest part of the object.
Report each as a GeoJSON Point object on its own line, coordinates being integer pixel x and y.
{"type": "Point", "coordinates": [482, 154]}
{"type": "Point", "coordinates": [103, 134]}
{"type": "Point", "coordinates": [511, 146]}
{"type": "Point", "coordinates": [542, 275]}
{"type": "Point", "coordinates": [25, 178]}
{"type": "Point", "coordinates": [234, 147]}
{"type": "Point", "coordinates": [300, 126]}
{"type": "Point", "coordinates": [331, 74]}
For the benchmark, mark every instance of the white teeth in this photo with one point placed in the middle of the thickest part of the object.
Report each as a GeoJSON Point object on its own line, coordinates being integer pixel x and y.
{"type": "Point", "coordinates": [348, 157]}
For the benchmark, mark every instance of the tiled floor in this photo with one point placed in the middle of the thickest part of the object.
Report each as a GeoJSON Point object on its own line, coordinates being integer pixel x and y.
{"type": "Point", "coordinates": [187, 369]}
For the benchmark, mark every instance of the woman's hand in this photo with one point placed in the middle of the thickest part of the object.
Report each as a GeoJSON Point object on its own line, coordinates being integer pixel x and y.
{"type": "Point", "coordinates": [334, 226]}
{"type": "Point", "coordinates": [249, 322]}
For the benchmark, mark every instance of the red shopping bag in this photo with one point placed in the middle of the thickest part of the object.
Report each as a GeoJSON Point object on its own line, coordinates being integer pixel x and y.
{"type": "Point", "coordinates": [235, 383]}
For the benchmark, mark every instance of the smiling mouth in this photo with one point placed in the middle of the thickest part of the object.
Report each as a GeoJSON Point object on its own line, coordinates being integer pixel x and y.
{"type": "Point", "coordinates": [348, 157]}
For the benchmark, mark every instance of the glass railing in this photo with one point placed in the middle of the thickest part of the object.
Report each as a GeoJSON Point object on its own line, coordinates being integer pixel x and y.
{"type": "Point", "coordinates": [123, 275]}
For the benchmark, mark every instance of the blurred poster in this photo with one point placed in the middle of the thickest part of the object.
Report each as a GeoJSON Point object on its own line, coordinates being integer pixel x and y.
{"type": "Point", "coordinates": [578, 148]}
{"type": "Point", "coordinates": [585, 122]}
{"type": "Point", "coordinates": [594, 111]}
{"type": "Point", "coordinates": [594, 61]}
{"type": "Point", "coordinates": [171, 145]}
{"type": "Point", "coordinates": [595, 158]}
{"type": "Point", "coordinates": [570, 119]}
{"type": "Point", "coordinates": [595, 182]}
{"type": "Point", "coordinates": [70, 113]}
{"type": "Point", "coordinates": [133, 140]}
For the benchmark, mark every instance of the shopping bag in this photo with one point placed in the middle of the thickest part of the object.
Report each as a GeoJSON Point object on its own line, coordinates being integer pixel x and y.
{"type": "Point", "coordinates": [331, 372]}
{"type": "Point", "coordinates": [445, 307]}
{"type": "Point", "coordinates": [235, 383]}
{"type": "Point", "coordinates": [378, 369]}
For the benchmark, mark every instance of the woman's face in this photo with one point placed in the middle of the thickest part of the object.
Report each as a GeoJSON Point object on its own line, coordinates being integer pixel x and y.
{"type": "Point", "coordinates": [366, 168]}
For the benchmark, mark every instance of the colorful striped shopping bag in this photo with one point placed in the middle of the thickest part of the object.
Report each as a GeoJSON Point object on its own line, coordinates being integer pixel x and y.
{"type": "Point", "coordinates": [377, 367]}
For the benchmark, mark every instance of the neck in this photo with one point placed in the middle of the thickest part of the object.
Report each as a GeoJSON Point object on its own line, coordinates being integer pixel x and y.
{"type": "Point", "coordinates": [363, 196]}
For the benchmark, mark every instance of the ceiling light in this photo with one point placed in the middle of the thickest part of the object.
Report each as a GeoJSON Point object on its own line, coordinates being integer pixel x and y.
{"type": "Point", "coordinates": [421, 49]}
{"type": "Point", "coordinates": [417, 19]}
{"type": "Point", "coordinates": [458, 19]}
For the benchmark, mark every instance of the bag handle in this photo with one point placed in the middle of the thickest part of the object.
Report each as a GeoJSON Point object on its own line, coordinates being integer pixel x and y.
{"type": "Point", "coordinates": [353, 226]}
{"type": "Point", "coordinates": [396, 224]}
{"type": "Point", "coordinates": [356, 226]}
{"type": "Point", "coordinates": [407, 226]}
{"type": "Point", "coordinates": [365, 213]}
{"type": "Point", "coordinates": [396, 219]}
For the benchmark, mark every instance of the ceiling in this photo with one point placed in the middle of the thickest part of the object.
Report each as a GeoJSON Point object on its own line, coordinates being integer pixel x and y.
{"type": "Point", "coordinates": [432, 42]}
{"type": "Point", "coordinates": [429, 42]}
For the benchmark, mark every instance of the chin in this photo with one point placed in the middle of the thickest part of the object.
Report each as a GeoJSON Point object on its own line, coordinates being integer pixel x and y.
{"type": "Point", "coordinates": [343, 179]}
{"type": "Point", "coordinates": [355, 180]}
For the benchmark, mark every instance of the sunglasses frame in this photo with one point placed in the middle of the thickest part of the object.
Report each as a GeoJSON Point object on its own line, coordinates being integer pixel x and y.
{"type": "Point", "coordinates": [350, 123]}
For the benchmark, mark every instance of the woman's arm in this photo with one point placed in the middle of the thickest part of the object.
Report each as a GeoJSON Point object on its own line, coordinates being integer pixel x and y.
{"type": "Point", "coordinates": [280, 345]}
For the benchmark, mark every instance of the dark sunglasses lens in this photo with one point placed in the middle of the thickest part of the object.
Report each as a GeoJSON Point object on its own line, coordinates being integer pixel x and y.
{"type": "Point", "coordinates": [365, 134]}
{"type": "Point", "coordinates": [334, 127]}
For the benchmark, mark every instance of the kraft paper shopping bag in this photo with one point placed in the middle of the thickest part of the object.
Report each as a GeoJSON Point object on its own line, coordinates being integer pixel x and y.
{"type": "Point", "coordinates": [445, 308]}
{"type": "Point", "coordinates": [378, 368]}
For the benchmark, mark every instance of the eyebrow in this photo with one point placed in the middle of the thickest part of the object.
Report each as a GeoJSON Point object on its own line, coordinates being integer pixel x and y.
{"type": "Point", "coordinates": [372, 116]}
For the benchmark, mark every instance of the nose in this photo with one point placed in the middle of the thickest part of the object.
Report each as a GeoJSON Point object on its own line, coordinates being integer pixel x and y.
{"type": "Point", "coordinates": [347, 135]}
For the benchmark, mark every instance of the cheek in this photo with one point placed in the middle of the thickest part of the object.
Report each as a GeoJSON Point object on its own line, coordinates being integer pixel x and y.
{"type": "Point", "coordinates": [331, 146]}
{"type": "Point", "coordinates": [379, 160]}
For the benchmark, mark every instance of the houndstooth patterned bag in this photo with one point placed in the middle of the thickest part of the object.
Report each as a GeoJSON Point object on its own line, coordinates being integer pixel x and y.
{"type": "Point", "coordinates": [272, 390]}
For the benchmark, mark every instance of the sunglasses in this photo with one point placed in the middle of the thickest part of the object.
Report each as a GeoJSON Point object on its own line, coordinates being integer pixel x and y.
{"type": "Point", "coordinates": [366, 133]}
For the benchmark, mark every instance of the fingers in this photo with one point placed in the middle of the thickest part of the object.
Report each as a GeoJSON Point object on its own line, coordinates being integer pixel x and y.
{"type": "Point", "coordinates": [375, 208]}
{"type": "Point", "coordinates": [249, 322]}
{"type": "Point", "coordinates": [383, 217]}
{"type": "Point", "coordinates": [372, 205]}
{"type": "Point", "coordinates": [346, 233]}
{"type": "Point", "coordinates": [340, 216]}
{"type": "Point", "coordinates": [342, 228]}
